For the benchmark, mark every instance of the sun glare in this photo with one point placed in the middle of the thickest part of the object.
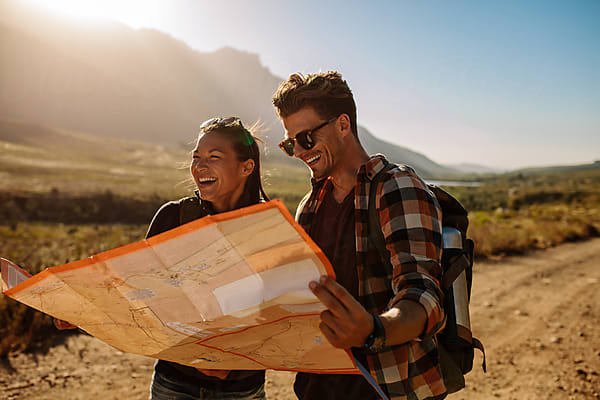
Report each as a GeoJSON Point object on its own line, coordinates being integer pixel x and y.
{"type": "Point", "coordinates": [135, 13]}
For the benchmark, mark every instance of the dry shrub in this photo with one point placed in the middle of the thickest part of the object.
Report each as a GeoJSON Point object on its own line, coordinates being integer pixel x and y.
{"type": "Point", "coordinates": [539, 226]}
{"type": "Point", "coordinates": [23, 328]}
{"type": "Point", "coordinates": [36, 246]}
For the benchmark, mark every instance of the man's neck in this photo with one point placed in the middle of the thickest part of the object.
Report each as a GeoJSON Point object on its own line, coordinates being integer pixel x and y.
{"type": "Point", "coordinates": [344, 175]}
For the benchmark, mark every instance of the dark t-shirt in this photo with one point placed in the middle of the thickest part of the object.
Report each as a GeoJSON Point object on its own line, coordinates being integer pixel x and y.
{"type": "Point", "coordinates": [238, 380]}
{"type": "Point", "coordinates": [333, 230]}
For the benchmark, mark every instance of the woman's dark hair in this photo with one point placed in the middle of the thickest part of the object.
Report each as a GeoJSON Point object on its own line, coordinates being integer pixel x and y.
{"type": "Point", "coordinates": [246, 147]}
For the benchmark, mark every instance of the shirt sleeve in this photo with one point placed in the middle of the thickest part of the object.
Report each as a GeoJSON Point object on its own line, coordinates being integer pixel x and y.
{"type": "Point", "coordinates": [411, 220]}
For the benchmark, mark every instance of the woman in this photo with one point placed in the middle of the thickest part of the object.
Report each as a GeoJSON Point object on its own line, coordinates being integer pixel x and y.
{"type": "Point", "coordinates": [226, 168]}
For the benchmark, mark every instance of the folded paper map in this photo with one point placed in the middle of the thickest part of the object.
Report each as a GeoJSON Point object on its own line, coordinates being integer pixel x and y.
{"type": "Point", "coordinates": [228, 291]}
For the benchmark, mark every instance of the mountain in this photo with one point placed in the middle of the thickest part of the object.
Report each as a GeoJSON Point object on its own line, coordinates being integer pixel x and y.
{"type": "Point", "coordinates": [423, 165]}
{"type": "Point", "coordinates": [110, 80]}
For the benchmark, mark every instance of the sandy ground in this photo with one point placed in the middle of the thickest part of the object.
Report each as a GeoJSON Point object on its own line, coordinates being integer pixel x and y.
{"type": "Point", "coordinates": [538, 317]}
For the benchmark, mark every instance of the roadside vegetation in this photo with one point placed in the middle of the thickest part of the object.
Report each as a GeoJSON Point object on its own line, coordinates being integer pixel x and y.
{"type": "Point", "coordinates": [517, 213]}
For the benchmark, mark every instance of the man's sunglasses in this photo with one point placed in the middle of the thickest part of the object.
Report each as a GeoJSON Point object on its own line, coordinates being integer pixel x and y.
{"type": "Point", "coordinates": [303, 138]}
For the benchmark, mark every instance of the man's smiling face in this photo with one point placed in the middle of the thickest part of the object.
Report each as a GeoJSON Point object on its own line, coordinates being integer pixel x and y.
{"type": "Point", "coordinates": [321, 159]}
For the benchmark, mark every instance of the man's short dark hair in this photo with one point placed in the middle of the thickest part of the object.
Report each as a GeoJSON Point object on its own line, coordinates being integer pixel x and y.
{"type": "Point", "coordinates": [326, 92]}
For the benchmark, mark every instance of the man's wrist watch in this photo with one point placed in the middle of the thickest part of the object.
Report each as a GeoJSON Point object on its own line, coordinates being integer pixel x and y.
{"type": "Point", "coordinates": [376, 340]}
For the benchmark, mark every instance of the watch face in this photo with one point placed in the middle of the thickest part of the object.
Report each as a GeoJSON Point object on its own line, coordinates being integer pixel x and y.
{"type": "Point", "coordinates": [377, 345]}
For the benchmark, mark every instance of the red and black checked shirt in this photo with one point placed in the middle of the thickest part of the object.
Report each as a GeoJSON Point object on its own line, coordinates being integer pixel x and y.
{"type": "Point", "coordinates": [411, 220]}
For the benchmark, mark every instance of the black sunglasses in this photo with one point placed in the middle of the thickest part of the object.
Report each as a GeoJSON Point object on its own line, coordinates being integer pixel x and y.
{"type": "Point", "coordinates": [219, 122]}
{"type": "Point", "coordinates": [303, 138]}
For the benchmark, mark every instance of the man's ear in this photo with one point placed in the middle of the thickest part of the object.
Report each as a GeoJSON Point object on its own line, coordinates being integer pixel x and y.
{"type": "Point", "coordinates": [345, 126]}
{"type": "Point", "coordinates": [247, 167]}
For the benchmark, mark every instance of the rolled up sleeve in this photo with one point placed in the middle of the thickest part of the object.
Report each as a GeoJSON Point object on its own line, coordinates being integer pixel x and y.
{"type": "Point", "coordinates": [411, 220]}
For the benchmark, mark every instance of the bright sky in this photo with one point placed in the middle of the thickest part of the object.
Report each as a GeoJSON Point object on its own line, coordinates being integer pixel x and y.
{"type": "Point", "coordinates": [500, 83]}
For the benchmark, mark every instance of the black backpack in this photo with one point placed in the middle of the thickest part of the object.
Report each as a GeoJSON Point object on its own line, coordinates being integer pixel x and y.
{"type": "Point", "coordinates": [455, 342]}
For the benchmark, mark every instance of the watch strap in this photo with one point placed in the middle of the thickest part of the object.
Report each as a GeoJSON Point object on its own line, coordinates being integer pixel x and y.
{"type": "Point", "coordinates": [376, 340]}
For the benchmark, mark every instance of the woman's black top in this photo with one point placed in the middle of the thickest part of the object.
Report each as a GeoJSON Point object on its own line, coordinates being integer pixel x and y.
{"type": "Point", "coordinates": [166, 218]}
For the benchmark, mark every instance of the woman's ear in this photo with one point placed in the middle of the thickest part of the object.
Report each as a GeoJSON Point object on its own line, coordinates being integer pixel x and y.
{"type": "Point", "coordinates": [247, 167]}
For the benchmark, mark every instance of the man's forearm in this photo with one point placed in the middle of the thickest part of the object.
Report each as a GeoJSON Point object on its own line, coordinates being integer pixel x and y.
{"type": "Point", "coordinates": [403, 322]}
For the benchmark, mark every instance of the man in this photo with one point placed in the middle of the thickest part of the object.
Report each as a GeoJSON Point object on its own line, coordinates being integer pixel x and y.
{"type": "Point", "coordinates": [386, 311]}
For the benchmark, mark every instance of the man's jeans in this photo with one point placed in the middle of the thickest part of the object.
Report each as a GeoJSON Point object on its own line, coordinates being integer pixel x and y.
{"type": "Point", "coordinates": [164, 388]}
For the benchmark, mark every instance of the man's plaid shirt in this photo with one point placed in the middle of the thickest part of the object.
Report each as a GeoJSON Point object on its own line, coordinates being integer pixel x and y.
{"type": "Point", "coordinates": [411, 220]}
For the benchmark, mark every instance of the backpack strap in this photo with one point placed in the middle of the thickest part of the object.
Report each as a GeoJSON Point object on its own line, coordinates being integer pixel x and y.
{"type": "Point", "coordinates": [478, 345]}
{"type": "Point", "coordinates": [190, 209]}
{"type": "Point", "coordinates": [375, 233]}
{"type": "Point", "coordinates": [459, 264]}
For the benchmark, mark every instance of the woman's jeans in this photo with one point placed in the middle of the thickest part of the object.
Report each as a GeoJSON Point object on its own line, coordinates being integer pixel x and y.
{"type": "Point", "coordinates": [165, 388]}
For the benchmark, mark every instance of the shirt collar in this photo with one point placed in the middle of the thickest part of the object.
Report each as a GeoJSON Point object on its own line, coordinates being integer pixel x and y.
{"type": "Point", "coordinates": [372, 167]}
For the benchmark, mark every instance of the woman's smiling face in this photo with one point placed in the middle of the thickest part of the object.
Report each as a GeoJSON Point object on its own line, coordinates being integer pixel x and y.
{"type": "Point", "coordinates": [217, 171]}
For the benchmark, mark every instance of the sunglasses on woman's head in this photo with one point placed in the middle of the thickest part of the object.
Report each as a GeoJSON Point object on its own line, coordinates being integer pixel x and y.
{"type": "Point", "coordinates": [219, 122]}
{"type": "Point", "coordinates": [228, 122]}
{"type": "Point", "coordinates": [303, 138]}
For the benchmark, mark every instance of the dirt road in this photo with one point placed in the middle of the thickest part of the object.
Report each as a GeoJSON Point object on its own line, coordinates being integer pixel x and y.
{"type": "Point", "coordinates": [537, 315]}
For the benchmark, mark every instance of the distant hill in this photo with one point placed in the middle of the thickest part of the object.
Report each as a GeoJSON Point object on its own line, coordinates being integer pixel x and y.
{"type": "Point", "coordinates": [559, 168]}
{"type": "Point", "coordinates": [114, 81]}
{"type": "Point", "coordinates": [468, 168]}
{"type": "Point", "coordinates": [34, 158]}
